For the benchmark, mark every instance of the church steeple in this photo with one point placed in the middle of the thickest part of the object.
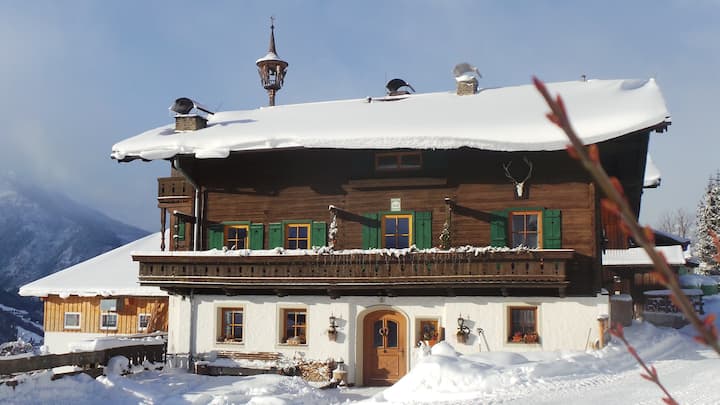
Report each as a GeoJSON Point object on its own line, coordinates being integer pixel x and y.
{"type": "Point", "coordinates": [271, 68]}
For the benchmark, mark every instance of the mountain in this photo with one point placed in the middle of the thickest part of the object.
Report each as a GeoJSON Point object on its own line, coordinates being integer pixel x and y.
{"type": "Point", "coordinates": [41, 232]}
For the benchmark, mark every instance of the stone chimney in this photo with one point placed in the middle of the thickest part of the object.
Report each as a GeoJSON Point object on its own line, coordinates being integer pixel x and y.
{"type": "Point", "coordinates": [467, 87]}
{"type": "Point", "coordinates": [189, 122]}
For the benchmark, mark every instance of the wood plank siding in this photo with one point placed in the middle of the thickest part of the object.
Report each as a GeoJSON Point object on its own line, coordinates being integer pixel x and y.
{"type": "Point", "coordinates": [253, 190]}
{"type": "Point", "coordinates": [89, 309]}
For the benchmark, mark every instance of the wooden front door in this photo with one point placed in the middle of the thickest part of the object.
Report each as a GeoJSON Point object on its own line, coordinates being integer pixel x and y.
{"type": "Point", "coordinates": [384, 348]}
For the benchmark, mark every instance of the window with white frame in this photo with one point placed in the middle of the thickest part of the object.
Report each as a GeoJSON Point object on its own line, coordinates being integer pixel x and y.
{"type": "Point", "coordinates": [143, 322]}
{"type": "Point", "coordinates": [72, 320]}
{"type": "Point", "coordinates": [108, 321]}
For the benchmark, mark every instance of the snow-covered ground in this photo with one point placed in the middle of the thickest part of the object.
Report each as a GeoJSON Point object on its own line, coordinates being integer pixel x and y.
{"type": "Point", "coordinates": [596, 377]}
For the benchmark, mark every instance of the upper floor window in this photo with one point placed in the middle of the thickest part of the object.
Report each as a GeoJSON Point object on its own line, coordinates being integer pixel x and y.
{"type": "Point", "coordinates": [297, 236]}
{"type": "Point", "coordinates": [397, 231]}
{"type": "Point", "coordinates": [237, 237]}
{"type": "Point", "coordinates": [534, 228]}
{"type": "Point", "coordinates": [526, 229]}
{"type": "Point", "coordinates": [388, 161]}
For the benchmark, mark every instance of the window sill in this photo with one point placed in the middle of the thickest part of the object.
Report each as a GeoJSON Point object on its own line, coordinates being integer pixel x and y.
{"type": "Point", "coordinates": [110, 329]}
{"type": "Point", "coordinates": [292, 345]}
{"type": "Point", "coordinates": [229, 342]}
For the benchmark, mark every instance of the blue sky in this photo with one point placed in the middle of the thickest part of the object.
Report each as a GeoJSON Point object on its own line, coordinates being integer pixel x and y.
{"type": "Point", "coordinates": [78, 76]}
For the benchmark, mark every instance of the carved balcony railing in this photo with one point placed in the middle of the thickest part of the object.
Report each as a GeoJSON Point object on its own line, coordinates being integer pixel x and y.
{"type": "Point", "coordinates": [174, 189]}
{"type": "Point", "coordinates": [359, 273]}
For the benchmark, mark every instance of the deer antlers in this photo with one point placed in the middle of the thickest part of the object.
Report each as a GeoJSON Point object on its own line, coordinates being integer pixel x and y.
{"type": "Point", "coordinates": [519, 185]}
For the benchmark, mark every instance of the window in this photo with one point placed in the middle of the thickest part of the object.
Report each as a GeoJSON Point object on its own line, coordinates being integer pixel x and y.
{"type": "Point", "coordinates": [297, 236]}
{"type": "Point", "coordinates": [72, 320]}
{"type": "Point", "coordinates": [392, 229]}
{"type": "Point", "coordinates": [526, 229]}
{"type": "Point", "coordinates": [236, 237]}
{"type": "Point", "coordinates": [232, 325]}
{"type": "Point", "coordinates": [523, 325]}
{"type": "Point", "coordinates": [294, 326]}
{"type": "Point", "coordinates": [388, 161]}
{"type": "Point", "coordinates": [397, 231]}
{"type": "Point", "coordinates": [143, 322]}
{"type": "Point", "coordinates": [429, 332]}
{"type": "Point", "coordinates": [108, 321]}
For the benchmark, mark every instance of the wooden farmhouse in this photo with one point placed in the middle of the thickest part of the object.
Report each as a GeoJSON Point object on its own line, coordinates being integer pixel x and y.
{"type": "Point", "coordinates": [99, 297]}
{"type": "Point", "coordinates": [356, 230]}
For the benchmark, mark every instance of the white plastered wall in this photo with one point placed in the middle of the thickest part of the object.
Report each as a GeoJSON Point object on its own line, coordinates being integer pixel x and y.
{"type": "Point", "coordinates": [563, 323]}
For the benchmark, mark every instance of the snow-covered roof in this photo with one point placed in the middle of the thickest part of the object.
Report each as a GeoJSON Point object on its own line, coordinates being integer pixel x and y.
{"type": "Point", "coordinates": [652, 174]}
{"type": "Point", "coordinates": [500, 119]}
{"type": "Point", "coordinates": [112, 273]}
{"type": "Point", "coordinates": [638, 256]}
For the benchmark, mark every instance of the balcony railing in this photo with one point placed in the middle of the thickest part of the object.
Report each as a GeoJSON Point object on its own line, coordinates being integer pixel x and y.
{"type": "Point", "coordinates": [358, 272]}
{"type": "Point", "coordinates": [174, 188]}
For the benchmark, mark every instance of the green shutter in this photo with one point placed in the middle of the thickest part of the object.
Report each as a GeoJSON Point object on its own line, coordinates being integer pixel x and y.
{"type": "Point", "coordinates": [552, 229]}
{"type": "Point", "coordinates": [216, 237]}
{"type": "Point", "coordinates": [423, 230]}
{"type": "Point", "coordinates": [318, 234]}
{"type": "Point", "coordinates": [256, 236]}
{"type": "Point", "coordinates": [276, 237]}
{"type": "Point", "coordinates": [180, 230]}
{"type": "Point", "coordinates": [371, 231]}
{"type": "Point", "coordinates": [498, 228]}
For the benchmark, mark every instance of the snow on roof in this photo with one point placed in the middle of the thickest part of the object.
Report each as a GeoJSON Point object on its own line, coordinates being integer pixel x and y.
{"type": "Point", "coordinates": [500, 119]}
{"type": "Point", "coordinates": [112, 273]}
{"type": "Point", "coordinates": [638, 256]}
{"type": "Point", "coordinates": [652, 174]}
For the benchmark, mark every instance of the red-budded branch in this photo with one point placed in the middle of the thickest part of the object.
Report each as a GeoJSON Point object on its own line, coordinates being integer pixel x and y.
{"type": "Point", "coordinates": [615, 201]}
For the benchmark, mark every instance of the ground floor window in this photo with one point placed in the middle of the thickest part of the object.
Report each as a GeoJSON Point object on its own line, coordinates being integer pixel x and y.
{"type": "Point", "coordinates": [143, 322]}
{"type": "Point", "coordinates": [294, 326]}
{"type": "Point", "coordinates": [522, 324]}
{"type": "Point", "coordinates": [429, 332]}
{"type": "Point", "coordinates": [108, 321]}
{"type": "Point", "coordinates": [72, 320]}
{"type": "Point", "coordinates": [233, 325]}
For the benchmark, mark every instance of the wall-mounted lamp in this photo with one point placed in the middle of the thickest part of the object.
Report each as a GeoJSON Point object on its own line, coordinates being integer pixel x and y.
{"type": "Point", "coordinates": [332, 329]}
{"type": "Point", "coordinates": [463, 331]}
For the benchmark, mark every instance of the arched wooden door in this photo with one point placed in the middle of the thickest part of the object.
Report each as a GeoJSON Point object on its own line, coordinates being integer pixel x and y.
{"type": "Point", "coordinates": [384, 348]}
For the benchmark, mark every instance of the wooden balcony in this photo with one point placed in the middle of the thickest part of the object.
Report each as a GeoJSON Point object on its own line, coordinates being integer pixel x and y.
{"type": "Point", "coordinates": [419, 273]}
{"type": "Point", "coordinates": [174, 190]}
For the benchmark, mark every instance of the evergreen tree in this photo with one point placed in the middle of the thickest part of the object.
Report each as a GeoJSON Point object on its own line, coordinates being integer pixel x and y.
{"type": "Point", "coordinates": [708, 219]}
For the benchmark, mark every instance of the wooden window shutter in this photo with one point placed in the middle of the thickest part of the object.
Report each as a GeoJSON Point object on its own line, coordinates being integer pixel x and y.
{"type": "Point", "coordinates": [371, 231]}
{"type": "Point", "coordinates": [552, 229]}
{"type": "Point", "coordinates": [318, 234]}
{"type": "Point", "coordinates": [423, 229]}
{"type": "Point", "coordinates": [180, 231]}
{"type": "Point", "coordinates": [276, 237]}
{"type": "Point", "coordinates": [256, 236]}
{"type": "Point", "coordinates": [216, 236]}
{"type": "Point", "coordinates": [498, 228]}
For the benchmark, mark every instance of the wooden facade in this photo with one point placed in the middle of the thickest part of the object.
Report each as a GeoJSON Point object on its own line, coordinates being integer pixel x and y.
{"type": "Point", "coordinates": [463, 190]}
{"type": "Point", "coordinates": [89, 308]}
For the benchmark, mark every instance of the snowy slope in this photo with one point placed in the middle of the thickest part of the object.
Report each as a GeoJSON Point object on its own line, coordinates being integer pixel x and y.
{"type": "Point", "coordinates": [42, 232]}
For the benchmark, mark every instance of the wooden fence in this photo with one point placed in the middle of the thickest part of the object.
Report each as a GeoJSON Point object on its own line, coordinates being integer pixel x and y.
{"type": "Point", "coordinates": [136, 352]}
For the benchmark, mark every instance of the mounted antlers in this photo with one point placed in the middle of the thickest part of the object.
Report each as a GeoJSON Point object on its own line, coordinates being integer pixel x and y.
{"type": "Point", "coordinates": [519, 185]}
